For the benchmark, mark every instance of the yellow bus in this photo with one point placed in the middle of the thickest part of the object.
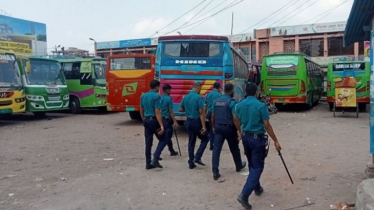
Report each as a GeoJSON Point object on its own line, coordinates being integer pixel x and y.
{"type": "Point", "coordinates": [12, 97]}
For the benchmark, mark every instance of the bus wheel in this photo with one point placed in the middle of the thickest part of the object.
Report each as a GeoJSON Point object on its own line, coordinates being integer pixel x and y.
{"type": "Point", "coordinates": [39, 114]}
{"type": "Point", "coordinates": [135, 115]}
{"type": "Point", "coordinates": [362, 107]}
{"type": "Point", "coordinates": [331, 106]}
{"type": "Point", "coordinates": [75, 106]}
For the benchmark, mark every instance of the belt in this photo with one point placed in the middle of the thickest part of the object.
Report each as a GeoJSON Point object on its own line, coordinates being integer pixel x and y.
{"type": "Point", "coordinates": [226, 125]}
{"type": "Point", "coordinates": [166, 118]}
{"type": "Point", "coordinates": [150, 117]}
{"type": "Point", "coordinates": [255, 135]}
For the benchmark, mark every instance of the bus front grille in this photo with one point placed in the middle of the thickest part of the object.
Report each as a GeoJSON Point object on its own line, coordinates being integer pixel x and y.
{"type": "Point", "coordinates": [5, 103]}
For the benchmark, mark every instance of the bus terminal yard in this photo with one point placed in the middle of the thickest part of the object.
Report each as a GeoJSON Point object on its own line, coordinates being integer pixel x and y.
{"type": "Point", "coordinates": [96, 161]}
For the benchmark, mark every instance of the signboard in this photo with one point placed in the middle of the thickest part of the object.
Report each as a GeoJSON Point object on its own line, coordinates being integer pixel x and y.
{"type": "Point", "coordinates": [308, 29]}
{"type": "Point", "coordinates": [345, 97]}
{"type": "Point", "coordinates": [241, 37]}
{"type": "Point", "coordinates": [107, 45]}
{"type": "Point", "coordinates": [125, 43]}
{"type": "Point", "coordinates": [23, 36]}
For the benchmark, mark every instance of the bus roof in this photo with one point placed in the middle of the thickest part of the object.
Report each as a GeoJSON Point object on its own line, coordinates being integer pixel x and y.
{"type": "Point", "coordinates": [46, 59]}
{"type": "Point", "coordinates": [193, 37]}
{"type": "Point", "coordinates": [289, 53]}
{"type": "Point", "coordinates": [81, 60]}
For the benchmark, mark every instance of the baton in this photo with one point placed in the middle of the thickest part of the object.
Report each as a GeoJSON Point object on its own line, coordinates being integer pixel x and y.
{"type": "Point", "coordinates": [289, 175]}
{"type": "Point", "coordinates": [176, 137]}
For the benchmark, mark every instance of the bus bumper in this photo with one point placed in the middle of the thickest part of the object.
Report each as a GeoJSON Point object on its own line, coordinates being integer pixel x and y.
{"type": "Point", "coordinates": [123, 108]}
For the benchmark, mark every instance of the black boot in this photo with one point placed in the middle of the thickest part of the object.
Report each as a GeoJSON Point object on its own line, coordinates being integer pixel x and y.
{"type": "Point", "coordinates": [244, 202]}
{"type": "Point", "coordinates": [156, 164]}
{"type": "Point", "coordinates": [173, 153]}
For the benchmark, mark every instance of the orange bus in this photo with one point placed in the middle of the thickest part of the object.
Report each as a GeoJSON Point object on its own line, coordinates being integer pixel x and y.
{"type": "Point", "coordinates": [128, 77]}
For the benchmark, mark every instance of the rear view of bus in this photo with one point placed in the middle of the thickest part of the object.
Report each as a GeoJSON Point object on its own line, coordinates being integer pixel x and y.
{"type": "Point", "coordinates": [128, 76]}
{"type": "Point", "coordinates": [12, 97]}
{"type": "Point", "coordinates": [292, 78]}
{"type": "Point", "coordinates": [183, 60]}
{"type": "Point", "coordinates": [339, 72]}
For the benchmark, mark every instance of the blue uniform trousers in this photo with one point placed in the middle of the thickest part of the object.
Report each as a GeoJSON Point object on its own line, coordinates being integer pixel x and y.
{"type": "Point", "coordinates": [210, 129]}
{"type": "Point", "coordinates": [254, 147]}
{"type": "Point", "coordinates": [151, 126]}
{"type": "Point", "coordinates": [193, 127]}
{"type": "Point", "coordinates": [168, 126]}
{"type": "Point", "coordinates": [229, 133]}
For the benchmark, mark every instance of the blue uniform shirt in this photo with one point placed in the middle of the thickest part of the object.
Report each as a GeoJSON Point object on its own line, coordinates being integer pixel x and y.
{"type": "Point", "coordinates": [251, 113]}
{"type": "Point", "coordinates": [192, 103]}
{"type": "Point", "coordinates": [150, 102]}
{"type": "Point", "coordinates": [231, 105]}
{"type": "Point", "coordinates": [166, 105]}
{"type": "Point", "coordinates": [210, 97]}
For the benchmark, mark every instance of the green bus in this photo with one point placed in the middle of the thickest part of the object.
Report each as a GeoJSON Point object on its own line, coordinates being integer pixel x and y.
{"type": "Point", "coordinates": [339, 70]}
{"type": "Point", "coordinates": [44, 85]}
{"type": "Point", "coordinates": [292, 78]}
{"type": "Point", "coordinates": [86, 83]}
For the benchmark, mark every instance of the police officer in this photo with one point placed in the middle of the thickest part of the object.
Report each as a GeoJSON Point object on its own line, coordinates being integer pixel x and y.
{"type": "Point", "coordinates": [168, 118]}
{"type": "Point", "coordinates": [210, 97]}
{"type": "Point", "coordinates": [225, 128]}
{"type": "Point", "coordinates": [254, 119]}
{"type": "Point", "coordinates": [150, 111]}
{"type": "Point", "coordinates": [193, 105]}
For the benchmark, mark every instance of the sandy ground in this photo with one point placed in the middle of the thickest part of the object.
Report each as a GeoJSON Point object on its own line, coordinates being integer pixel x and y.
{"type": "Point", "coordinates": [58, 164]}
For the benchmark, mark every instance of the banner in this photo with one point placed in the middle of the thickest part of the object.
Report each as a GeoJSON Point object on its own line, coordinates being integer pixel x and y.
{"type": "Point", "coordinates": [308, 29]}
{"type": "Point", "coordinates": [345, 97]}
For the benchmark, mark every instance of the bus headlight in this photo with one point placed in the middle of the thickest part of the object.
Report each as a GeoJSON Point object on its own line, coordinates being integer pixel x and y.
{"type": "Point", "coordinates": [66, 97]}
{"type": "Point", "coordinates": [34, 98]}
{"type": "Point", "coordinates": [20, 100]}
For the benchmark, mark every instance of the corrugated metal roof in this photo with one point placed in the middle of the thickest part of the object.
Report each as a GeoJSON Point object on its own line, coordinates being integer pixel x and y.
{"type": "Point", "coordinates": [361, 15]}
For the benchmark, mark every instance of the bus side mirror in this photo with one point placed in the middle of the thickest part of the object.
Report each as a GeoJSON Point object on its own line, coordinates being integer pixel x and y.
{"type": "Point", "coordinates": [28, 67]}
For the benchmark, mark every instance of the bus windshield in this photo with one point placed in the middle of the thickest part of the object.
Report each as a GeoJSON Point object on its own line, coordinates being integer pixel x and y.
{"type": "Point", "coordinates": [130, 63]}
{"type": "Point", "coordinates": [100, 70]}
{"type": "Point", "coordinates": [9, 72]}
{"type": "Point", "coordinates": [192, 49]}
{"type": "Point", "coordinates": [348, 66]}
{"type": "Point", "coordinates": [44, 72]}
{"type": "Point", "coordinates": [282, 61]}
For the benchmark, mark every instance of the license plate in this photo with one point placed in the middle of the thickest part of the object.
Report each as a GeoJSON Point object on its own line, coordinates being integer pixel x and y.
{"type": "Point", "coordinates": [130, 109]}
{"type": "Point", "coordinates": [53, 98]}
{"type": "Point", "coordinates": [6, 111]}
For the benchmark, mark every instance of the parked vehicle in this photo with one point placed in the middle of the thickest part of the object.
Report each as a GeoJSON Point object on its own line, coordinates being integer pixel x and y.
{"type": "Point", "coordinates": [266, 99]}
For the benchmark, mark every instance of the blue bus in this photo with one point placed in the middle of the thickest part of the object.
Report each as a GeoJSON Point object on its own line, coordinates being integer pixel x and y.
{"type": "Point", "coordinates": [183, 60]}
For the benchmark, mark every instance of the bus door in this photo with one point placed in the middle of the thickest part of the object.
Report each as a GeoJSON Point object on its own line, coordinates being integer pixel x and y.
{"type": "Point", "coordinates": [128, 77]}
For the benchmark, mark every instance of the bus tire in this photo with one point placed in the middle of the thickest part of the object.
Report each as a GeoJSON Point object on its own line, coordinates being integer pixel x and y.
{"type": "Point", "coordinates": [362, 107]}
{"type": "Point", "coordinates": [75, 106]}
{"type": "Point", "coordinates": [331, 106]}
{"type": "Point", "coordinates": [135, 115]}
{"type": "Point", "coordinates": [39, 114]}
{"type": "Point", "coordinates": [102, 109]}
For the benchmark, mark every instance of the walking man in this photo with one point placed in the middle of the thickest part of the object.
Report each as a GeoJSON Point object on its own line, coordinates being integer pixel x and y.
{"type": "Point", "coordinates": [253, 117]}
{"type": "Point", "coordinates": [223, 112]}
{"type": "Point", "coordinates": [210, 97]}
{"type": "Point", "coordinates": [168, 118]}
{"type": "Point", "coordinates": [193, 105]}
{"type": "Point", "coordinates": [150, 111]}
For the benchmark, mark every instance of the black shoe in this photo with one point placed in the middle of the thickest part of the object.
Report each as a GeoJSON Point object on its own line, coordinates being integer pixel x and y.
{"type": "Point", "coordinates": [199, 162]}
{"type": "Point", "coordinates": [173, 153]}
{"type": "Point", "coordinates": [244, 164]}
{"type": "Point", "coordinates": [211, 148]}
{"type": "Point", "coordinates": [259, 192]}
{"type": "Point", "coordinates": [156, 164]}
{"type": "Point", "coordinates": [216, 176]}
{"type": "Point", "coordinates": [159, 159]}
{"type": "Point", "coordinates": [244, 202]}
{"type": "Point", "coordinates": [148, 166]}
{"type": "Point", "coordinates": [192, 166]}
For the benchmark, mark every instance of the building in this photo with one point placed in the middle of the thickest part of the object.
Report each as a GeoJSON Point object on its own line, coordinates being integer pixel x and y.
{"type": "Point", "coordinates": [23, 36]}
{"type": "Point", "coordinates": [360, 27]}
{"type": "Point", "coordinates": [71, 51]}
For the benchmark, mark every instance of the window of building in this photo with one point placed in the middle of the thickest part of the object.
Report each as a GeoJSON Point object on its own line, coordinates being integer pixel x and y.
{"type": "Point", "coordinates": [289, 46]}
{"type": "Point", "coordinates": [245, 51]}
{"type": "Point", "coordinates": [264, 49]}
{"type": "Point", "coordinates": [253, 53]}
{"type": "Point", "coordinates": [335, 45]}
{"type": "Point", "coordinates": [312, 47]}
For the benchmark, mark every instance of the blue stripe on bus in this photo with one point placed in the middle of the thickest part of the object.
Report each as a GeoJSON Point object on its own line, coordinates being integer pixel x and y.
{"type": "Point", "coordinates": [348, 73]}
{"type": "Point", "coordinates": [282, 88]}
{"type": "Point", "coordinates": [202, 68]}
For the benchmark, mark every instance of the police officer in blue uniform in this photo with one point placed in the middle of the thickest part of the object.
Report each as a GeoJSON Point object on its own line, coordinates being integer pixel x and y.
{"type": "Point", "coordinates": [223, 112]}
{"type": "Point", "coordinates": [150, 111]}
{"type": "Point", "coordinates": [210, 97]}
{"type": "Point", "coordinates": [253, 117]}
{"type": "Point", "coordinates": [193, 105]}
{"type": "Point", "coordinates": [168, 117]}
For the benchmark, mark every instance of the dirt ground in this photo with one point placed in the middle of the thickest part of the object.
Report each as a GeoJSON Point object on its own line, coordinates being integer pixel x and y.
{"type": "Point", "coordinates": [61, 163]}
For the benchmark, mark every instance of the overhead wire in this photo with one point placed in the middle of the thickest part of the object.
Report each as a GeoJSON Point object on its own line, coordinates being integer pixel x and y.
{"type": "Point", "coordinates": [207, 18]}
{"type": "Point", "coordinates": [193, 17]}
